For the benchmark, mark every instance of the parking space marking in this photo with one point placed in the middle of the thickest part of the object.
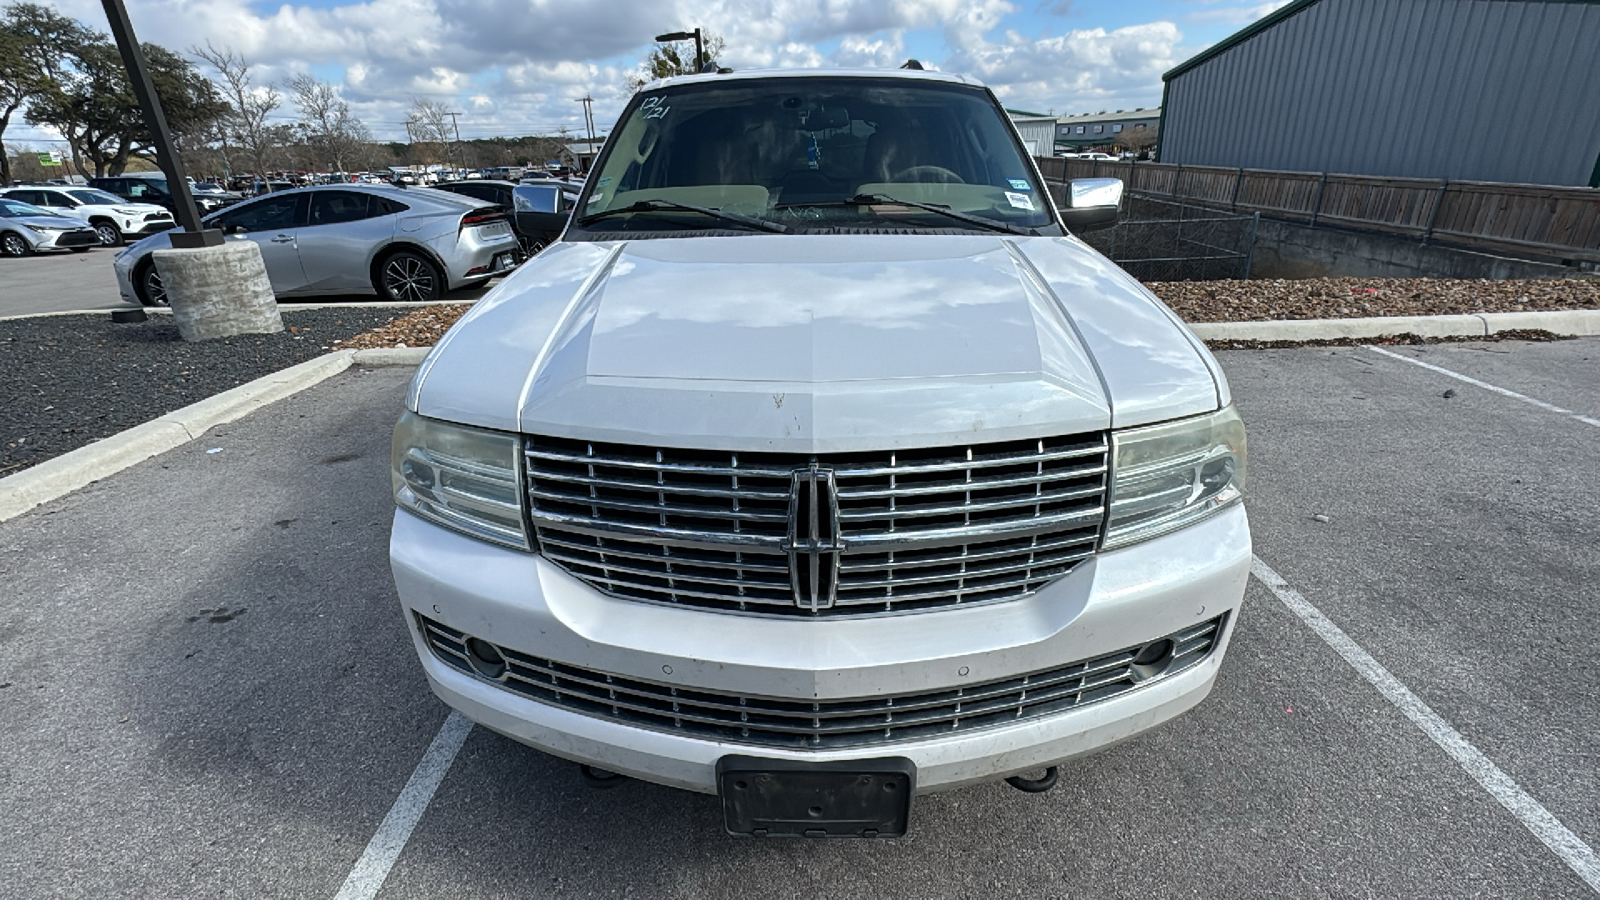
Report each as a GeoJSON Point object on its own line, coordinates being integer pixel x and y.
{"type": "Point", "coordinates": [1571, 849]}
{"type": "Point", "coordinates": [367, 878]}
{"type": "Point", "coordinates": [1549, 407]}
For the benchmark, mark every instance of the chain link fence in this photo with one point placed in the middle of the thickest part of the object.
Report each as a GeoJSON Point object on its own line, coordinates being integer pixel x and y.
{"type": "Point", "coordinates": [1163, 240]}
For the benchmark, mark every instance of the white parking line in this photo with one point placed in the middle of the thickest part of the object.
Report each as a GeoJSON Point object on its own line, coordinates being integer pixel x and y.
{"type": "Point", "coordinates": [1549, 407]}
{"type": "Point", "coordinates": [1571, 849]}
{"type": "Point", "coordinates": [373, 867]}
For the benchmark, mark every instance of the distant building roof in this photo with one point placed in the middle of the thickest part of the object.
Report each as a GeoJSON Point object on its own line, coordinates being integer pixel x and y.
{"type": "Point", "coordinates": [1120, 115]}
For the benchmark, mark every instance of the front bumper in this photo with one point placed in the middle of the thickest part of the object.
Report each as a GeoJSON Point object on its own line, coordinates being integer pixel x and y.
{"type": "Point", "coordinates": [1116, 600]}
{"type": "Point", "coordinates": [64, 240]}
{"type": "Point", "coordinates": [142, 228]}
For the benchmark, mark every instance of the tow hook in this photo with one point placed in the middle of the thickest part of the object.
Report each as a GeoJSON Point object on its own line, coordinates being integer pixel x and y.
{"type": "Point", "coordinates": [1036, 785]}
{"type": "Point", "coordinates": [600, 779]}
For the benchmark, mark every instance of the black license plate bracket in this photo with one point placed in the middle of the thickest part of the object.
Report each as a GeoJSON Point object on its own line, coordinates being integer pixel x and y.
{"type": "Point", "coordinates": [847, 798]}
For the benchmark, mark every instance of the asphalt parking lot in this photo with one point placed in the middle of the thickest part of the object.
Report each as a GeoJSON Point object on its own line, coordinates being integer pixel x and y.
{"type": "Point", "coordinates": [206, 689]}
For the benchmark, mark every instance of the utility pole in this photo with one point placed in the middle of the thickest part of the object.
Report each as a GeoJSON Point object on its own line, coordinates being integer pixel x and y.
{"type": "Point", "coordinates": [588, 119]}
{"type": "Point", "coordinates": [461, 162]}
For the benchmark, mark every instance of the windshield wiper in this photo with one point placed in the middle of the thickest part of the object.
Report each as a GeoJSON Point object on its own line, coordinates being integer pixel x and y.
{"type": "Point", "coordinates": [658, 204]}
{"type": "Point", "coordinates": [886, 200]}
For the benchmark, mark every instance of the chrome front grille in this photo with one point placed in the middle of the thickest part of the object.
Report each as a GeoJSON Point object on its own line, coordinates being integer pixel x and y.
{"type": "Point", "coordinates": [842, 534]}
{"type": "Point", "coordinates": [803, 724]}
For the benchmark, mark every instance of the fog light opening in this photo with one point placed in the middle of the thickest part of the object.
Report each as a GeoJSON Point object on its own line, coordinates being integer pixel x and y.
{"type": "Point", "coordinates": [1153, 659]}
{"type": "Point", "coordinates": [485, 659]}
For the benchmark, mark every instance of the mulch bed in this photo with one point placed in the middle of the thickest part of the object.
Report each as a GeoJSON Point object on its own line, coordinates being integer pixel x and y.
{"type": "Point", "coordinates": [71, 380]}
{"type": "Point", "coordinates": [1355, 298]}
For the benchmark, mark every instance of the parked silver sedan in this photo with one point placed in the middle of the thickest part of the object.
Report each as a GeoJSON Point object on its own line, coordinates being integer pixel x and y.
{"type": "Point", "coordinates": [403, 244]}
{"type": "Point", "coordinates": [26, 229]}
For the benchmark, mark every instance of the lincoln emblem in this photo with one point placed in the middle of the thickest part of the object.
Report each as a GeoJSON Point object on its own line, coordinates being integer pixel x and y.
{"type": "Point", "coordinates": [814, 542]}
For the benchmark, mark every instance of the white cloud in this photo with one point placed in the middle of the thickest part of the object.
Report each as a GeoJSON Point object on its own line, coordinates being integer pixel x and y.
{"type": "Point", "coordinates": [1235, 15]}
{"type": "Point", "coordinates": [518, 66]}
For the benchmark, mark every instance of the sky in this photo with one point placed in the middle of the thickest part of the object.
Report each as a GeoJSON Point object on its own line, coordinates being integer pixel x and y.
{"type": "Point", "coordinates": [516, 67]}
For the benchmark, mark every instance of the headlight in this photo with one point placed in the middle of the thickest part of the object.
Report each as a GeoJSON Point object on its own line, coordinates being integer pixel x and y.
{"type": "Point", "coordinates": [124, 212]}
{"type": "Point", "coordinates": [459, 477]}
{"type": "Point", "coordinates": [1169, 476]}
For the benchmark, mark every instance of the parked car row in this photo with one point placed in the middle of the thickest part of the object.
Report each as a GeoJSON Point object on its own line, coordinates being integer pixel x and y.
{"type": "Point", "coordinates": [113, 218]}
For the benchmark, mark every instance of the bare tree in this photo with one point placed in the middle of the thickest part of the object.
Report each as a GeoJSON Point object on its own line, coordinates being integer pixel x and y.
{"type": "Point", "coordinates": [326, 122]}
{"type": "Point", "coordinates": [429, 127]}
{"type": "Point", "coordinates": [250, 106]}
{"type": "Point", "coordinates": [1136, 140]}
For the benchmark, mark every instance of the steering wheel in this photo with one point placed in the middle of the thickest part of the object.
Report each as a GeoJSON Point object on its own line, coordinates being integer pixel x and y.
{"type": "Point", "coordinates": [933, 174]}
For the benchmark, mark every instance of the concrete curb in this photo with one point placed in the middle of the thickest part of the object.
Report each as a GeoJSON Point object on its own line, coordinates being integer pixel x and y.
{"type": "Point", "coordinates": [1568, 323]}
{"type": "Point", "coordinates": [68, 472]}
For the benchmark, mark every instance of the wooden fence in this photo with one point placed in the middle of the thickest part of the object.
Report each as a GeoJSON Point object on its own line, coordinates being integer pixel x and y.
{"type": "Point", "coordinates": [1534, 220]}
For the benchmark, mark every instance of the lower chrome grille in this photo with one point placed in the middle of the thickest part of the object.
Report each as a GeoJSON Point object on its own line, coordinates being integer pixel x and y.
{"type": "Point", "coordinates": [798, 724]}
{"type": "Point", "coordinates": [846, 534]}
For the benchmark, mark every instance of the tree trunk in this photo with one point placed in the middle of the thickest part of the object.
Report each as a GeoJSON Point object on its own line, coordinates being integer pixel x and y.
{"type": "Point", "coordinates": [5, 159]}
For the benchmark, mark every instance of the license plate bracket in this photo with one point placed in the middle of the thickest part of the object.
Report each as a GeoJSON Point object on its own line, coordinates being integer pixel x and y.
{"type": "Point", "coordinates": [792, 798]}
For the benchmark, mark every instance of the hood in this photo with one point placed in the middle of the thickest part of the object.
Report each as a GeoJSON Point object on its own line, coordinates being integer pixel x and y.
{"type": "Point", "coordinates": [51, 221]}
{"type": "Point", "coordinates": [814, 343]}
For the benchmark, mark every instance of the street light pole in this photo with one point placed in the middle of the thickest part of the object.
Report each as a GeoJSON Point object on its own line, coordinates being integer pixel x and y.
{"type": "Point", "coordinates": [193, 235]}
{"type": "Point", "coordinates": [699, 45]}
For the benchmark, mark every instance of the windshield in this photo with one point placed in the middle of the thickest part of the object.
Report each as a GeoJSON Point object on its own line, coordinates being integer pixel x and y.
{"type": "Point", "coordinates": [815, 154]}
{"type": "Point", "coordinates": [97, 197]}
{"type": "Point", "coordinates": [11, 209]}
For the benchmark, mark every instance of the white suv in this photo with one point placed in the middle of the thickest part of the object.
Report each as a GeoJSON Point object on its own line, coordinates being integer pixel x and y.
{"type": "Point", "coordinates": [114, 219]}
{"type": "Point", "coordinates": [818, 465]}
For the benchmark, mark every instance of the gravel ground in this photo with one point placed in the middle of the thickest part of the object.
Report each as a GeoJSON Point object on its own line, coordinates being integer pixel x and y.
{"type": "Point", "coordinates": [1223, 301]}
{"type": "Point", "coordinates": [70, 380]}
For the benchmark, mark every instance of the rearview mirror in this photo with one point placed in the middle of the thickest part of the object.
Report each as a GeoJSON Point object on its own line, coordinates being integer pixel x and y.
{"type": "Point", "coordinates": [1096, 203]}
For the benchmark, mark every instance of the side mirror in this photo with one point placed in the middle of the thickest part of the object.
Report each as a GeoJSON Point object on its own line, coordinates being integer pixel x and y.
{"type": "Point", "coordinates": [1096, 203]}
{"type": "Point", "coordinates": [234, 229]}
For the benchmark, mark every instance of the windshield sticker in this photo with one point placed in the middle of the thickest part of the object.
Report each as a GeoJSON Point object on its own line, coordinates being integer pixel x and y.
{"type": "Point", "coordinates": [1020, 201]}
{"type": "Point", "coordinates": [603, 182]}
{"type": "Point", "coordinates": [595, 197]}
{"type": "Point", "coordinates": [1018, 184]}
{"type": "Point", "coordinates": [653, 108]}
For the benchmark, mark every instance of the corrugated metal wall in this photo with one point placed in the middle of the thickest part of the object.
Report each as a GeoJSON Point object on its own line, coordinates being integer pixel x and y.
{"type": "Point", "coordinates": [1039, 135]}
{"type": "Point", "coordinates": [1482, 90]}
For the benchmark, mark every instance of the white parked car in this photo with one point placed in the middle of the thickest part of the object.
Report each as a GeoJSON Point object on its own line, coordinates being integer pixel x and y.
{"type": "Point", "coordinates": [819, 465]}
{"type": "Point", "coordinates": [113, 219]}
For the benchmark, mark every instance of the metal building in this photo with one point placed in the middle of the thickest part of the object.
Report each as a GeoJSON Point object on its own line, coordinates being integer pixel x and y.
{"type": "Point", "coordinates": [1474, 90]}
{"type": "Point", "coordinates": [1038, 132]}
